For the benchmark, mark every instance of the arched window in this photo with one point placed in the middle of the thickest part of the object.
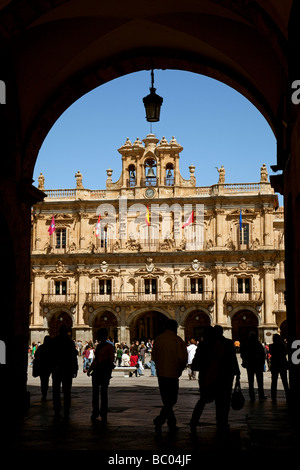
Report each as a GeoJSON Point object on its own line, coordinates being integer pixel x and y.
{"type": "Point", "coordinates": [169, 179]}
{"type": "Point", "coordinates": [244, 234]}
{"type": "Point", "coordinates": [150, 172]}
{"type": "Point", "coordinates": [131, 181]}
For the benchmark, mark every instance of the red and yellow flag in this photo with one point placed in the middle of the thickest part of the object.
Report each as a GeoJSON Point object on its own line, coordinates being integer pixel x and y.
{"type": "Point", "coordinates": [97, 228]}
{"type": "Point", "coordinates": [189, 221]}
{"type": "Point", "coordinates": [147, 218]}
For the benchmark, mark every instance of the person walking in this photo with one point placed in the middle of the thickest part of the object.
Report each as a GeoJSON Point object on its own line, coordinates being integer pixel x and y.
{"type": "Point", "coordinates": [191, 349]}
{"type": "Point", "coordinates": [253, 359]}
{"type": "Point", "coordinates": [170, 356]}
{"type": "Point", "coordinates": [64, 369]}
{"type": "Point", "coordinates": [100, 370]}
{"type": "Point", "coordinates": [216, 361]}
{"type": "Point", "coordinates": [278, 366]}
{"type": "Point", "coordinates": [42, 365]}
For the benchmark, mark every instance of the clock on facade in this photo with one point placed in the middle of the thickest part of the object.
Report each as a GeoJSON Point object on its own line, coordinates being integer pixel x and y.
{"type": "Point", "coordinates": [149, 192]}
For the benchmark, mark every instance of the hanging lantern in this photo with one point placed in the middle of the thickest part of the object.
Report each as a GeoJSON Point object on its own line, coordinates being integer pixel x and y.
{"type": "Point", "coordinates": [152, 103]}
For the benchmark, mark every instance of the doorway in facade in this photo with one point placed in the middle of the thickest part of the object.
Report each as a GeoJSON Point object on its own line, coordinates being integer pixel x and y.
{"type": "Point", "coordinates": [106, 320]}
{"type": "Point", "coordinates": [147, 326]}
{"type": "Point", "coordinates": [242, 324]}
{"type": "Point", "coordinates": [195, 325]}
{"type": "Point", "coordinates": [57, 320]}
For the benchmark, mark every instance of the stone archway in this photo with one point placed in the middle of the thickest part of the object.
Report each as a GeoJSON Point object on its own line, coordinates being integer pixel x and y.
{"type": "Point", "coordinates": [243, 322]}
{"type": "Point", "coordinates": [105, 320]}
{"type": "Point", "coordinates": [147, 325]}
{"type": "Point", "coordinates": [195, 324]}
{"type": "Point", "coordinates": [57, 320]}
{"type": "Point", "coordinates": [39, 92]}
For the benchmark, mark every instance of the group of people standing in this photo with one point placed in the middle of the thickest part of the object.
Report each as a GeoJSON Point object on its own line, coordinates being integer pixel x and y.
{"type": "Point", "coordinates": [214, 359]}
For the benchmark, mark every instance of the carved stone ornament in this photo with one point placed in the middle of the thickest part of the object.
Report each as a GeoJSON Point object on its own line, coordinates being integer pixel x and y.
{"type": "Point", "coordinates": [149, 265]}
{"type": "Point", "coordinates": [104, 266]}
{"type": "Point", "coordinates": [196, 265]}
{"type": "Point", "coordinates": [243, 265]}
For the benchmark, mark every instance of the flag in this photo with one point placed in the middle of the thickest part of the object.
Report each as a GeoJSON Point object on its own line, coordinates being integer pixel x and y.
{"type": "Point", "coordinates": [190, 220]}
{"type": "Point", "coordinates": [240, 219]}
{"type": "Point", "coordinates": [97, 228]}
{"type": "Point", "coordinates": [51, 229]}
{"type": "Point", "coordinates": [147, 218]}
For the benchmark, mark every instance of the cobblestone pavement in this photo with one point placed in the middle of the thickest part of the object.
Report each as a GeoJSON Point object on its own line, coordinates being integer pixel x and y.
{"type": "Point", "coordinates": [133, 403]}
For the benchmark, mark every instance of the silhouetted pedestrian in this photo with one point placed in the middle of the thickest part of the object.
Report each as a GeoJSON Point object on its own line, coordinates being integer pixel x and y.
{"type": "Point", "coordinates": [207, 375]}
{"type": "Point", "coordinates": [42, 365]}
{"type": "Point", "coordinates": [65, 368]}
{"type": "Point", "coordinates": [100, 370]}
{"type": "Point", "coordinates": [216, 361]}
{"type": "Point", "coordinates": [253, 359]}
{"type": "Point", "coordinates": [278, 366]}
{"type": "Point", "coordinates": [170, 356]}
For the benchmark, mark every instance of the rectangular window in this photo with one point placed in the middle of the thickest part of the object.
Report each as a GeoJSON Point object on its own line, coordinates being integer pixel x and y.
{"type": "Point", "coordinates": [101, 287]}
{"type": "Point", "coordinates": [104, 286]}
{"type": "Point", "coordinates": [150, 286]}
{"type": "Point", "coordinates": [244, 285]}
{"type": "Point", "coordinates": [61, 237]}
{"type": "Point", "coordinates": [196, 285]}
{"type": "Point", "coordinates": [244, 234]}
{"type": "Point", "coordinates": [60, 287]}
{"type": "Point", "coordinates": [103, 239]}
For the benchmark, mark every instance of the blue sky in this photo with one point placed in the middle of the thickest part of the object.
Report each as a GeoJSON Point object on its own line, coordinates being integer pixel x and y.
{"type": "Point", "coordinates": [215, 125]}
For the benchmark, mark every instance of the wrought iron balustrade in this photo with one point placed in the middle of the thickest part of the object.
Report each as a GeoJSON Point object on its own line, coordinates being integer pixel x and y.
{"type": "Point", "coordinates": [251, 296]}
{"type": "Point", "coordinates": [160, 296]}
{"type": "Point", "coordinates": [58, 299]}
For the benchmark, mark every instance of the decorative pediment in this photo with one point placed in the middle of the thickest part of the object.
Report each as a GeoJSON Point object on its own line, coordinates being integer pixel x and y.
{"type": "Point", "coordinates": [245, 213]}
{"type": "Point", "coordinates": [59, 270]}
{"type": "Point", "coordinates": [195, 268]}
{"type": "Point", "coordinates": [149, 269]}
{"type": "Point", "coordinates": [244, 267]}
{"type": "Point", "coordinates": [104, 269]}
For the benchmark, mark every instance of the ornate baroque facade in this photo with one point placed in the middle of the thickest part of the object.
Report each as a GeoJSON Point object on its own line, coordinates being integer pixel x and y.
{"type": "Point", "coordinates": [225, 267]}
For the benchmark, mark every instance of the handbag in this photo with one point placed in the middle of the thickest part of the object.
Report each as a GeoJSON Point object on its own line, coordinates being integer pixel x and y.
{"type": "Point", "coordinates": [237, 397]}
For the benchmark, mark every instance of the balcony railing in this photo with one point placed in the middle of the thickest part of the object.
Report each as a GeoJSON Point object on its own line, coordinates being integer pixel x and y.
{"type": "Point", "coordinates": [252, 296]}
{"type": "Point", "coordinates": [149, 182]}
{"type": "Point", "coordinates": [58, 299]}
{"type": "Point", "coordinates": [130, 297]}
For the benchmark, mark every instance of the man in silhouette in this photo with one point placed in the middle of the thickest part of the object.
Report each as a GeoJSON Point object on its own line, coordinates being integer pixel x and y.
{"type": "Point", "coordinates": [170, 356]}
{"type": "Point", "coordinates": [64, 369]}
{"type": "Point", "coordinates": [216, 361]}
{"type": "Point", "coordinates": [100, 370]}
{"type": "Point", "coordinates": [253, 359]}
{"type": "Point", "coordinates": [42, 365]}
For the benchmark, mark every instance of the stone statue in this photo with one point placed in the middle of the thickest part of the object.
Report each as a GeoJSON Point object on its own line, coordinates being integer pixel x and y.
{"type": "Point", "coordinates": [264, 174]}
{"type": "Point", "coordinates": [41, 180]}
{"type": "Point", "coordinates": [78, 177]}
{"type": "Point", "coordinates": [221, 175]}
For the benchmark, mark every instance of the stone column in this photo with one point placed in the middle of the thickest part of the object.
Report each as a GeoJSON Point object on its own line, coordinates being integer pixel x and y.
{"type": "Point", "coordinates": [220, 271]}
{"type": "Point", "coordinates": [219, 226]}
{"type": "Point", "coordinates": [83, 288]}
{"type": "Point", "coordinates": [268, 293]}
{"type": "Point", "coordinates": [83, 232]}
{"type": "Point", "coordinates": [36, 295]}
{"type": "Point", "coordinates": [268, 226]}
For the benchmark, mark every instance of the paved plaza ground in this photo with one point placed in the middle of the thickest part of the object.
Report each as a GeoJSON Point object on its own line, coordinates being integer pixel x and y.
{"type": "Point", "coordinates": [133, 403]}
